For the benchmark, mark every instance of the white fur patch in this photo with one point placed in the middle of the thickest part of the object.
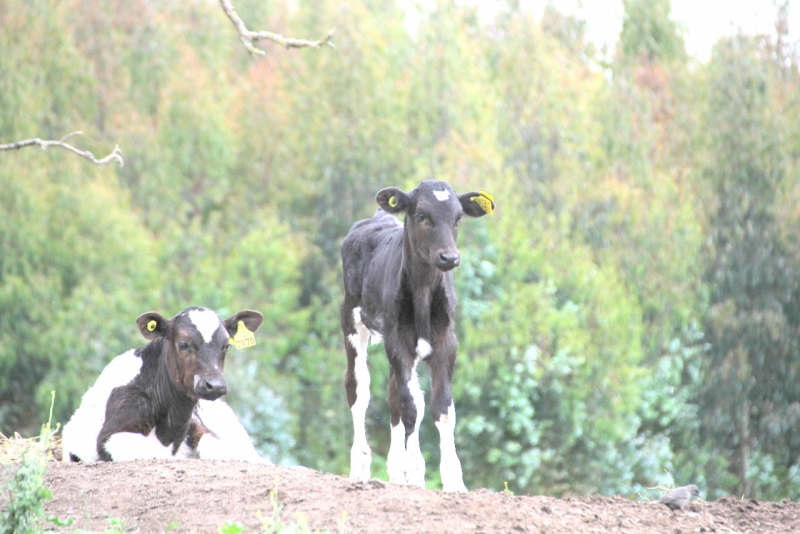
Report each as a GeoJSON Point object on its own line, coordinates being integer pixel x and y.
{"type": "Point", "coordinates": [396, 459]}
{"type": "Point", "coordinates": [450, 466]}
{"type": "Point", "coordinates": [232, 441]}
{"type": "Point", "coordinates": [206, 321]}
{"type": "Point", "coordinates": [415, 462]}
{"type": "Point", "coordinates": [424, 349]}
{"type": "Point", "coordinates": [375, 338]}
{"type": "Point", "coordinates": [127, 446]}
{"type": "Point", "coordinates": [441, 195]}
{"type": "Point", "coordinates": [79, 436]}
{"type": "Point", "coordinates": [360, 454]}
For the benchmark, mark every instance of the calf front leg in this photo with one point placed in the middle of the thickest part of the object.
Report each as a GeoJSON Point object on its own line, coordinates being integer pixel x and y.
{"type": "Point", "coordinates": [444, 415]}
{"type": "Point", "coordinates": [405, 463]}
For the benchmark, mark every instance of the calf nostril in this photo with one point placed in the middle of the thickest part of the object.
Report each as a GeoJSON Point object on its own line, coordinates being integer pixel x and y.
{"type": "Point", "coordinates": [449, 257]}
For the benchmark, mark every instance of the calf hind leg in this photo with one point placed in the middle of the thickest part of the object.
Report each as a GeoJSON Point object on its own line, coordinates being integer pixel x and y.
{"type": "Point", "coordinates": [356, 382]}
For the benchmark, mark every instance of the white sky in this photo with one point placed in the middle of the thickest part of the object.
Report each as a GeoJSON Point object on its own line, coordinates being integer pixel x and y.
{"type": "Point", "coordinates": [705, 21]}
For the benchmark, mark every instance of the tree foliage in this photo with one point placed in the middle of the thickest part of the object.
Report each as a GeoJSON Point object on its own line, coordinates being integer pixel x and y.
{"type": "Point", "coordinates": [627, 318]}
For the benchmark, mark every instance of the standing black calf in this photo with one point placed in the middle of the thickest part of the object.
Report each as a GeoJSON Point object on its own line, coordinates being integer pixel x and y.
{"type": "Point", "coordinates": [398, 287]}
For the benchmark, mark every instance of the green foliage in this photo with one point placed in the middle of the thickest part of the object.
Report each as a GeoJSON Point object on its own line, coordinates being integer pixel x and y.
{"type": "Point", "coordinates": [648, 30]}
{"type": "Point", "coordinates": [752, 275]}
{"type": "Point", "coordinates": [24, 508]}
{"type": "Point", "coordinates": [628, 311]}
{"type": "Point", "coordinates": [27, 493]}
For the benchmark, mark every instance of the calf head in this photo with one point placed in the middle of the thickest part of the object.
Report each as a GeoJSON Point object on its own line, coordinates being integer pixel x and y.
{"type": "Point", "coordinates": [433, 211]}
{"type": "Point", "coordinates": [195, 343]}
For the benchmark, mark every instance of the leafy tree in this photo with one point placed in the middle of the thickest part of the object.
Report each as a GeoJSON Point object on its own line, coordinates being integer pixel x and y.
{"type": "Point", "coordinates": [749, 391]}
{"type": "Point", "coordinates": [649, 31]}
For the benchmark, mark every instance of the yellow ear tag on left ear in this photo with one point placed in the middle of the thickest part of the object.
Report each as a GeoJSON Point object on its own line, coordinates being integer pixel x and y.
{"type": "Point", "coordinates": [484, 200]}
{"type": "Point", "coordinates": [151, 325]}
{"type": "Point", "coordinates": [244, 338]}
{"type": "Point", "coordinates": [393, 201]}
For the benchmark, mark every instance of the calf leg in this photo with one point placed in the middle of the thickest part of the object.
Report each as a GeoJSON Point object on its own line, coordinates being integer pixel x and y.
{"type": "Point", "coordinates": [405, 463]}
{"type": "Point", "coordinates": [356, 383]}
{"type": "Point", "coordinates": [444, 415]}
{"type": "Point", "coordinates": [127, 446]}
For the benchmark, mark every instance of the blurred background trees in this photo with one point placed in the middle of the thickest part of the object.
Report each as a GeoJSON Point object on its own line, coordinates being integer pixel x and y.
{"type": "Point", "coordinates": [628, 318]}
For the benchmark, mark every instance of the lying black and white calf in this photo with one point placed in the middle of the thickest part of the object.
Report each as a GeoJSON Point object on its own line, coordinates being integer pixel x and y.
{"type": "Point", "coordinates": [162, 400]}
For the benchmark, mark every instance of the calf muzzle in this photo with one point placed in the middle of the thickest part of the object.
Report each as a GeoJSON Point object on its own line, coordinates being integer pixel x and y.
{"type": "Point", "coordinates": [211, 388]}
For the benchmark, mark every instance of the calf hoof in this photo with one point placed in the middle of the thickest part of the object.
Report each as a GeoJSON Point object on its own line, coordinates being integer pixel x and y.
{"type": "Point", "coordinates": [455, 488]}
{"type": "Point", "coordinates": [360, 462]}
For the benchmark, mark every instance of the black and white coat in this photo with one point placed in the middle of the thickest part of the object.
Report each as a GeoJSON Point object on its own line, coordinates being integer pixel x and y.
{"type": "Point", "coordinates": [162, 400]}
{"type": "Point", "coordinates": [399, 290]}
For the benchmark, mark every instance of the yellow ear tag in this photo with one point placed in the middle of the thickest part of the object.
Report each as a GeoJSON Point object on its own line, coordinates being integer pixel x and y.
{"type": "Point", "coordinates": [151, 325]}
{"type": "Point", "coordinates": [484, 200]}
{"type": "Point", "coordinates": [244, 338]}
{"type": "Point", "coordinates": [393, 201]}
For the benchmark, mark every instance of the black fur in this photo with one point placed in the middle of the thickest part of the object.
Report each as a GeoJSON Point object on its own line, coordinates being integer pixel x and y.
{"type": "Point", "coordinates": [165, 393]}
{"type": "Point", "coordinates": [399, 275]}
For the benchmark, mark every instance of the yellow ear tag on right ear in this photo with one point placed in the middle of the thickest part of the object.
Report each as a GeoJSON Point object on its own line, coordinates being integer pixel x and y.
{"type": "Point", "coordinates": [151, 325]}
{"type": "Point", "coordinates": [393, 201]}
{"type": "Point", "coordinates": [244, 338]}
{"type": "Point", "coordinates": [484, 200]}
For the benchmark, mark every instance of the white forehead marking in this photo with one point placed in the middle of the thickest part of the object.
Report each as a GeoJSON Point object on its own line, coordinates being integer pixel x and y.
{"type": "Point", "coordinates": [206, 322]}
{"type": "Point", "coordinates": [441, 195]}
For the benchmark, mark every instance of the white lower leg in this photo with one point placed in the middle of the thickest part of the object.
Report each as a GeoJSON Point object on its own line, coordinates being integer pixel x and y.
{"type": "Point", "coordinates": [450, 466]}
{"type": "Point", "coordinates": [415, 462]}
{"type": "Point", "coordinates": [360, 454]}
{"type": "Point", "coordinates": [396, 459]}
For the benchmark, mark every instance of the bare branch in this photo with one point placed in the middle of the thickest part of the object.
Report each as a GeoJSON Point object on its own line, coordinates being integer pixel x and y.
{"type": "Point", "coordinates": [115, 155]}
{"type": "Point", "coordinates": [248, 37]}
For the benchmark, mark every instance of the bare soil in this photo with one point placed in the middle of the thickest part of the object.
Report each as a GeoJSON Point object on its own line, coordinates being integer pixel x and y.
{"type": "Point", "coordinates": [200, 496]}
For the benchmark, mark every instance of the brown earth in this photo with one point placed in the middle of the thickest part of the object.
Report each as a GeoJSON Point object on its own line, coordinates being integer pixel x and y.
{"type": "Point", "coordinates": [201, 496]}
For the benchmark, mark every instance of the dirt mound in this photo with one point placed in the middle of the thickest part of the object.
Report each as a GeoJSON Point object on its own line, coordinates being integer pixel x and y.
{"type": "Point", "coordinates": [201, 496]}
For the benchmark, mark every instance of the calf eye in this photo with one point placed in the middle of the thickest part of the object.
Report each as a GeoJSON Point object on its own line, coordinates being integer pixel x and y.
{"type": "Point", "coordinates": [420, 216]}
{"type": "Point", "coordinates": [182, 345]}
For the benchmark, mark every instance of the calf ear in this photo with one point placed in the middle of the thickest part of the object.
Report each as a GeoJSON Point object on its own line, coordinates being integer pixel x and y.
{"type": "Point", "coordinates": [152, 325]}
{"type": "Point", "coordinates": [251, 319]}
{"type": "Point", "coordinates": [392, 200]}
{"type": "Point", "coordinates": [477, 203]}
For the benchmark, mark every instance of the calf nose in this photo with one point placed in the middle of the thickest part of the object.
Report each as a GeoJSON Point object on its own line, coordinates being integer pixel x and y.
{"type": "Point", "coordinates": [449, 260]}
{"type": "Point", "coordinates": [211, 388]}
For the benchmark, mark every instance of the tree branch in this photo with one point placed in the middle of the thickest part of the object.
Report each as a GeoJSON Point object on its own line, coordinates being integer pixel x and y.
{"type": "Point", "coordinates": [248, 37]}
{"type": "Point", "coordinates": [115, 155]}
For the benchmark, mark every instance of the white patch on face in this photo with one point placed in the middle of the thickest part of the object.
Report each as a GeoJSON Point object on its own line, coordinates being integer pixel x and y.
{"type": "Point", "coordinates": [424, 349]}
{"type": "Point", "coordinates": [360, 454]}
{"type": "Point", "coordinates": [206, 321]}
{"type": "Point", "coordinates": [450, 466]}
{"type": "Point", "coordinates": [79, 436]}
{"type": "Point", "coordinates": [441, 195]}
{"type": "Point", "coordinates": [196, 381]}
